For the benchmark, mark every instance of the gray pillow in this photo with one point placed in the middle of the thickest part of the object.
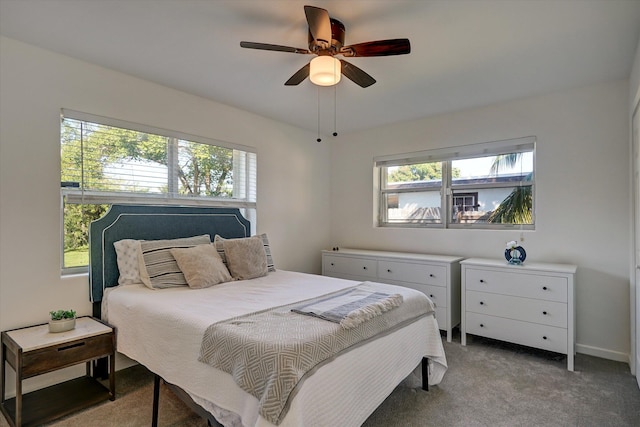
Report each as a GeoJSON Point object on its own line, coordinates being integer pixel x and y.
{"type": "Point", "coordinates": [217, 241]}
{"type": "Point", "coordinates": [158, 268]}
{"type": "Point", "coordinates": [201, 265]}
{"type": "Point", "coordinates": [246, 258]}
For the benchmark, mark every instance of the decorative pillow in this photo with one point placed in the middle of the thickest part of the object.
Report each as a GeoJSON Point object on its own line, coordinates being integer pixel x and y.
{"type": "Point", "coordinates": [217, 241]}
{"type": "Point", "coordinates": [127, 258]}
{"type": "Point", "coordinates": [158, 268]}
{"type": "Point", "coordinates": [201, 265]}
{"type": "Point", "coordinates": [246, 258]}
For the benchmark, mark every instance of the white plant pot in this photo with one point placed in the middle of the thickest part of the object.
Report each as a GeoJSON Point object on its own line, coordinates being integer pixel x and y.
{"type": "Point", "coordinates": [62, 325]}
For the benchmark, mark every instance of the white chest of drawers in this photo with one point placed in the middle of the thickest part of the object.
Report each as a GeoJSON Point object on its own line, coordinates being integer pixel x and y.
{"type": "Point", "coordinates": [437, 276]}
{"type": "Point", "coordinates": [531, 304]}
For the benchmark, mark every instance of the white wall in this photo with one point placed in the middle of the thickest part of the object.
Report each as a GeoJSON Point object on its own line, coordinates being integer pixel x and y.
{"type": "Point", "coordinates": [35, 84]}
{"type": "Point", "coordinates": [582, 196]}
{"type": "Point", "coordinates": [634, 97]}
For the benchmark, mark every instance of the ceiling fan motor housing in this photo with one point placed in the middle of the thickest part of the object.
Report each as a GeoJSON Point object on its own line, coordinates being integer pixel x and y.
{"type": "Point", "coordinates": [319, 47]}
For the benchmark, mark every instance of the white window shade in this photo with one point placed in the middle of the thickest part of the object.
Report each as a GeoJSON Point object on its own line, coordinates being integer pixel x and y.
{"type": "Point", "coordinates": [493, 148]}
{"type": "Point", "coordinates": [110, 161]}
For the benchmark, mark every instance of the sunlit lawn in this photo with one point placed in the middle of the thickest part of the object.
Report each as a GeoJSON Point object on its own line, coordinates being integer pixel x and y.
{"type": "Point", "coordinates": [76, 258]}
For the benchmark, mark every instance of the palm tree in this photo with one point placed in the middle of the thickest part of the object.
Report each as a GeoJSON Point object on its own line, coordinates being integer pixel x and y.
{"type": "Point", "coordinates": [516, 208]}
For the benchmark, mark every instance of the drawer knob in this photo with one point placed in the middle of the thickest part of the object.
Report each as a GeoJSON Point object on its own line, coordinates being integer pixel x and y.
{"type": "Point", "coordinates": [430, 295]}
{"type": "Point", "coordinates": [364, 268]}
{"type": "Point", "coordinates": [481, 302]}
{"type": "Point", "coordinates": [544, 312]}
{"type": "Point", "coordinates": [481, 280]}
{"type": "Point", "coordinates": [544, 337]}
{"type": "Point", "coordinates": [482, 325]}
{"type": "Point", "coordinates": [431, 275]}
{"type": "Point", "coordinates": [388, 270]}
{"type": "Point", "coordinates": [332, 264]}
{"type": "Point", "coordinates": [544, 288]}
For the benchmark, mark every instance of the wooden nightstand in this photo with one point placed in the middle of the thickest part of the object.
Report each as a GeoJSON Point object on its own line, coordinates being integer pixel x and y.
{"type": "Point", "coordinates": [34, 350]}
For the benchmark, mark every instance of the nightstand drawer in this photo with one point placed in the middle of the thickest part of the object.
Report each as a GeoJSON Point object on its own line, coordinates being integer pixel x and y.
{"type": "Point", "coordinates": [518, 283]}
{"type": "Point", "coordinates": [441, 316]}
{"type": "Point", "coordinates": [526, 309]}
{"type": "Point", "coordinates": [350, 266]}
{"type": "Point", "coordinates": [437, 294]}
{"type": "Point", "coordinates": [516, 331]}
{"type": "Point", "coordinates": [48, 359]}
{"type": "Point", "coordinates": [415, 273]}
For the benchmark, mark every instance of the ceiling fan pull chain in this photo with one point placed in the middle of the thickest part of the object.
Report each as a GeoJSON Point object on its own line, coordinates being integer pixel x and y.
{"type": "Point", "coordinates": [318, 93]}
{"type": "Point", "coordinates": [335, 109]}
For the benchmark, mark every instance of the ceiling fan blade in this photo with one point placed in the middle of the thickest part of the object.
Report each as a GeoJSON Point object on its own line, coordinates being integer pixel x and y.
{"type": "Point", "coordinates": [276, 47]}
{"type": "Point", "coordinates": [319, 24]}
{"type": "Point", "coordinates": [299, 76]}
{"type": "Point", "coordinates": [378, 48]}
{"type": "Point", "coordinates": [356, 75]}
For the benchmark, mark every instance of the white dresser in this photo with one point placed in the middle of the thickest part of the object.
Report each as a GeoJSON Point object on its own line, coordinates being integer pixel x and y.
{"type": "Point", "coordinates": [437, 276]}
{"type": "Point", "coordinates": [531, 304]}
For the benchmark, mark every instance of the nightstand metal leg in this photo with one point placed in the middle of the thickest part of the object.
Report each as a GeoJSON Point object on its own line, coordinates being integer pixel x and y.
{"type": "Point", "coordinates": [425, 374]}
{"type": "Point", "coordinates": [156, 400]}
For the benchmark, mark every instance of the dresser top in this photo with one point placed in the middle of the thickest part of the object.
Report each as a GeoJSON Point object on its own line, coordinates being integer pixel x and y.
{"type": "Point", "coordinates": [526, 266]}
{"type": "Point", "coordinates": [36, 337]}
{"type": "Point", "coordinates": [395, 255]}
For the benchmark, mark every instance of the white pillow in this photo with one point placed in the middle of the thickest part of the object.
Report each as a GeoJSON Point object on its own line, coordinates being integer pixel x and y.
{"type": "Point", "coordinates": [127, 257]}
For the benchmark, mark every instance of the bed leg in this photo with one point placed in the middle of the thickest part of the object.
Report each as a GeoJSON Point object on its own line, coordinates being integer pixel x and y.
{"type": "Point", "coordinates": [156, 400]}
{"type": "Point", "coordinates": [425, 374]}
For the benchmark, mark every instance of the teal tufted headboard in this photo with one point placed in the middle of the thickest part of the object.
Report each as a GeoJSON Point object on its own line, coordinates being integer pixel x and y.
{"type": "Point", "coordinates": [143, 222]}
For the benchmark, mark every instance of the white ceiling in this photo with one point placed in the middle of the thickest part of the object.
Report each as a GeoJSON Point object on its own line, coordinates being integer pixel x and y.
{"type": "Point", "coordinates": [465, 53]}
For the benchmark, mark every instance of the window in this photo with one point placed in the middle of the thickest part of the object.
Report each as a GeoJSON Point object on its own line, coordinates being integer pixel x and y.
{"type": "Point", "coordinates": [488, 185]}
{"type": "Point", "coordinates": [465, 202]}
{"type": "Point", "coordinates": [105, 161]}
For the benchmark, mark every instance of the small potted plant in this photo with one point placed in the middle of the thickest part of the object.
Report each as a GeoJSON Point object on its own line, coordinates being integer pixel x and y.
{"type": "Point", "coordinates": [62, 320]}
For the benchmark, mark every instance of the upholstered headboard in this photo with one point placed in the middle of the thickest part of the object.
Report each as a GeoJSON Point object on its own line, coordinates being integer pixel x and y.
{"type": "Point", "coordinates": [152, 223]}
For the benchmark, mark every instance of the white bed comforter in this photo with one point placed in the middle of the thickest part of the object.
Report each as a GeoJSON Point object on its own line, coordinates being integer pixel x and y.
{"type": "Point", "coordinates": [163, 330]}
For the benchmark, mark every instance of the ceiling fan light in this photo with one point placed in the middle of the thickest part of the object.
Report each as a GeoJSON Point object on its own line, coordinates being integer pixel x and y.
{"type": "Point", "coordinates": [325, 71]}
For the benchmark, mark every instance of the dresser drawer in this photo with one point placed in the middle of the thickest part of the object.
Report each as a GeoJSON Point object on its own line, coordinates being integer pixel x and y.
{"type": "Point", "coordinates": [519, 332]}
{"type": "Point", "coordinates": [338, 266]}
{"type": "Point", "coordinates": [441, 317]}
{"type": "Point", "coordinates": [51, 358]}
{"type": "Point", "coordinates": [549, 313]}
{"type": "Point", "coordinates": [539, 286]}
{"type": "Point", "coordinates": [409, 272]}
{"type": "Point", "coordinates": [437, 294]}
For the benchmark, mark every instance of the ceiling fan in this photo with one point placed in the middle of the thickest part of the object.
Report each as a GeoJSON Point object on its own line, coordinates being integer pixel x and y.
{"type": "Point", "coordinates": [326, 39]}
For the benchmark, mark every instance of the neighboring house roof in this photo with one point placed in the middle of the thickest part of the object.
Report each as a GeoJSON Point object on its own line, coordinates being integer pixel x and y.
{"type": "Point", "coordinates": [435, 184]}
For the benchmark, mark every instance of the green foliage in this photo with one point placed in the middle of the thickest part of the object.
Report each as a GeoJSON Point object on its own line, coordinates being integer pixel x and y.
{"type": "Point", "coordinates": [202, 169]}
{"type": "Point", "coordinates": [62, 314]}
{"type": "Point", "coordinates": [420, 172]}
{"type": "Point", "coordinates": [516, 208]}
{"type": "Point", "coordinates": [76, 224]}
{"type": "Point", "coordinates": [77, 257]}
{"type": "Point", "coordinates": [505, 161]}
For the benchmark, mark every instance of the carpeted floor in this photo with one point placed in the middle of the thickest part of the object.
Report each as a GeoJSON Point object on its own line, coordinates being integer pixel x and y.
{"type": "Point", "coordinates": [488, 383]}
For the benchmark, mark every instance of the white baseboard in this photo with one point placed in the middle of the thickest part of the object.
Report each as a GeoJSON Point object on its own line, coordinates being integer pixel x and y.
{"type": "Point", "coordinates": [638, 367]}
{"type": "Point", "coordinates": [603, 353]}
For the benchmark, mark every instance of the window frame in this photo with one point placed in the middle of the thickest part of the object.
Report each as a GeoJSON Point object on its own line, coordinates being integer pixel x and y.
{"type": "Point", "coordinates": [74, 194]}
{"type": "Point", "coordinates": [446, 156]}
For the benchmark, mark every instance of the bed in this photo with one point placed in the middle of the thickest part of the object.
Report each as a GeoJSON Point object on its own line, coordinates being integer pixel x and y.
{"type": "Point", "coordinates": [164, 329]}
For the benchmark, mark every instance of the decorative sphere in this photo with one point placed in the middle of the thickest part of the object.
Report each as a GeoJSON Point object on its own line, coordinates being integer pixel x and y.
{"type": "Point", "coordinates": [516, 255]}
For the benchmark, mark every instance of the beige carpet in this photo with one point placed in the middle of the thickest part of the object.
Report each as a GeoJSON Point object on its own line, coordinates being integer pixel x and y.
{"type": "Point", "coordinates": [488, 384]}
